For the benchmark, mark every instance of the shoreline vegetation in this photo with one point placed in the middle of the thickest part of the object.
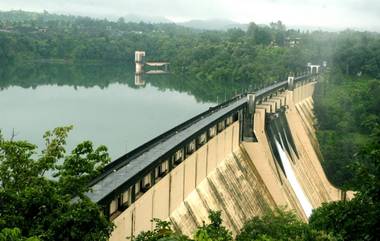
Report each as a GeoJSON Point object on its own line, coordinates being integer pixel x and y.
{"type": "Point", "coordinates": [51, 61]}
{"type": "Point", "coordinates": [65, 61]}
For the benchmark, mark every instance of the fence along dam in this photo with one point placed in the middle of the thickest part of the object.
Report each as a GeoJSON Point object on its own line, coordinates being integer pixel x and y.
{"type": "Point", "coordinates": [252, 153]}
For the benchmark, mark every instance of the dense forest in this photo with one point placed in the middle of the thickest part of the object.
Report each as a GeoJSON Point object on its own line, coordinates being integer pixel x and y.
{"type": "Point", "coordinates": [257, 56]}
{"type": "Point", "coordinates": [347, 104]}
{"type": "Point", "coordinates": [347, 107]}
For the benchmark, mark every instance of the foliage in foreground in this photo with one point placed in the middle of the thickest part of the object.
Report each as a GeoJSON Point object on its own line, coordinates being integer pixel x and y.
{"type": "Point", "coordinates": [277, 225]}
{"type": "Point", "coordinates": [207, 232]}
{"type": "Point", "coordinates": [162, 231]}
{"type": "Point", "coordinates": [42, 208]}
{"type": "Point", "coordinates": [280, 225]}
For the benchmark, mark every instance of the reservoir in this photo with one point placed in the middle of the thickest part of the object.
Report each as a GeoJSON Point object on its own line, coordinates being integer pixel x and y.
{"type": "Point", "coordinates": [100, 101]}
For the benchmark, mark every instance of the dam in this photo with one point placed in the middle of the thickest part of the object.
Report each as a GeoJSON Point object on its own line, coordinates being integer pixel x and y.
{"type": "Point", "coordinates": [252, 153]}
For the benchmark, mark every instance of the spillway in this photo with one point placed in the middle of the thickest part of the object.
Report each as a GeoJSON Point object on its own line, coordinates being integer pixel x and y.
{"type": "Point", "coordinates": [305, 203]}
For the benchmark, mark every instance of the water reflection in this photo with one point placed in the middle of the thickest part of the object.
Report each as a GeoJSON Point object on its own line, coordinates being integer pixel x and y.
{"type": "Point", "coordinates": [139, 80]}
{"type": "Point", "coordinates": [101, 75]}
{"type": "Point", "coordinates": [139, 77]}
{"type": "Point", "coordinates": [106, 103]}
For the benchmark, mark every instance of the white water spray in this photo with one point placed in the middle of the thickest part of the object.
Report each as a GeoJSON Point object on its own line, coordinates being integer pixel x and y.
{"type": "Point", "coordinates": [301, 196]}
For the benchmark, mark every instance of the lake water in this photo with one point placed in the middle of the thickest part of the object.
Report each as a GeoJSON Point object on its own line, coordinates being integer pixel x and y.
{"type": "Point", "coordinates": [101, 102]}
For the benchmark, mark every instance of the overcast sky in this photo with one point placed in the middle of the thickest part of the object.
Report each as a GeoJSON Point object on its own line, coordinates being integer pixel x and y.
{"type": "Point", "coordinates": [334, 14]}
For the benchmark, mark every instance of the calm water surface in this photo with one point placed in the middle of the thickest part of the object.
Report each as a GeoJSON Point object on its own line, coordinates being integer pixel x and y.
{"type": "Point", "coordinates": [101, 102]}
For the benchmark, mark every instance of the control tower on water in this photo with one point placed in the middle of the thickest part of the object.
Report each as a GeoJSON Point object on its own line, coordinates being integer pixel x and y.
{"type": "Point", "coordinates": [140, 61]}
{"type": "Point", "coordinates": [161, 67]}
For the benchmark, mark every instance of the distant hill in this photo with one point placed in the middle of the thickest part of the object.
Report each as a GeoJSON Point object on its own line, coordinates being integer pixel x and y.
{"type": "Point", "coordinates": [314, 28]}
{"type": "Point", "coordinates": [146, 19]}
{"type": "Point", "coordinates": [213, 24]}
{"type": "Point", "coordinates": [19, 16]}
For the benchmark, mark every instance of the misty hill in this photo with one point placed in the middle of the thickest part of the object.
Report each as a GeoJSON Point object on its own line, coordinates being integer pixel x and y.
{"type": "Point", "coordinates": [20, 15]}
{"type": "Point", "coordinates": [213, 24]}
{"type": "Point", "coordinates": [146, 19]}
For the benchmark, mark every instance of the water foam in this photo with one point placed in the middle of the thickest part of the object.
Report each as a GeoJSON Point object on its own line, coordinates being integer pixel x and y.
{"type": "Point", "coordinates": [301, 196]}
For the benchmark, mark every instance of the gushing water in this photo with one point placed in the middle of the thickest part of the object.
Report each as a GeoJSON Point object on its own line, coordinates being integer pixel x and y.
{"type": "Point", "coordinates": [301, 196]}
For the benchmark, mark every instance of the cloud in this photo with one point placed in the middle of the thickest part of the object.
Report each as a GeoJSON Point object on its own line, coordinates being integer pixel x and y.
{"type": "Point", "coordinates": [181, 8]}
{"type": "Point", "coordinates": [333, 14]}
{"type": "Point", "coordinates": [338, 13]}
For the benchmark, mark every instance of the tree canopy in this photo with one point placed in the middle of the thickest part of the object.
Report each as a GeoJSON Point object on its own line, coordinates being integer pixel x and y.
{"type": "Point", "coordinates": [42, 194]}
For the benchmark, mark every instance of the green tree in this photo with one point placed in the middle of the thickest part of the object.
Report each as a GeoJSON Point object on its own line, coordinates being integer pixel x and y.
{"type": "Point", "coordinates": [214, 231]}
{"type": "Point", "coordinates": [162, 231]}
{"type": "Point", "coordinates": [14, 234]}
{"type": "Point", "coordinates": [35, 205]}
{"type": "Point", "coordinates": [280, 225]}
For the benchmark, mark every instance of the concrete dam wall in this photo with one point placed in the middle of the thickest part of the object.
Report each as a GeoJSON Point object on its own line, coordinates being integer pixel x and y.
{"type": "Point", "coordinates": [242, 179]}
